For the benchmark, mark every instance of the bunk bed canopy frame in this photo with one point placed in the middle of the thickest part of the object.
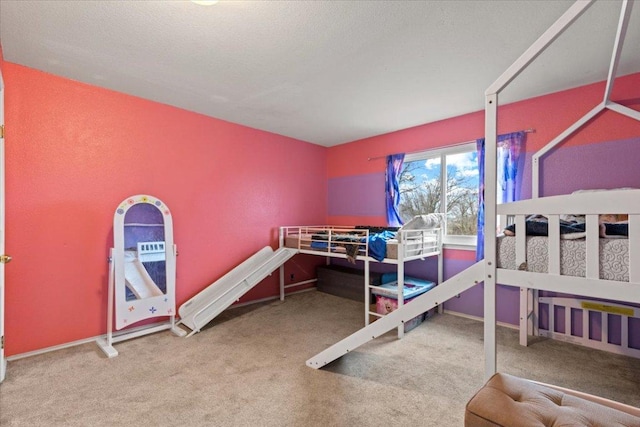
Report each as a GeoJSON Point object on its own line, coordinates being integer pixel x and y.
{"type": "Point", "coordinates": [491, 126]}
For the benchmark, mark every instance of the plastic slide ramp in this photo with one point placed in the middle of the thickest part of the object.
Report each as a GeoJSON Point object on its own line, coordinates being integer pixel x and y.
{"type": "Point", "coordinates": [420, 304]}
{"type": "Point", "coordinates": [217, 297]}
{"type": "Point", "coordinates": [137, 278]}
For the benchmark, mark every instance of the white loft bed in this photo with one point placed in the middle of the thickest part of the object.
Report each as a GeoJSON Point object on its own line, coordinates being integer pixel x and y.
{"type": "Point", "coordinates": [421, 239]}
{"type": "Point", "coordinates": [589, 204]}
{"type": "Point", "coordinates": [417, 240]}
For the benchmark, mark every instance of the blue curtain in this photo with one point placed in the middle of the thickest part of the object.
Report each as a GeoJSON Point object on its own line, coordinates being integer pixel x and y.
{"type": "Point", "coordinates": [508, 157]}
{"type": "Point", "coordinates": [392, 189]}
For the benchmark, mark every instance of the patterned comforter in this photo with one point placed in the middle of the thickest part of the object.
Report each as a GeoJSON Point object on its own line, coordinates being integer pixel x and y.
{"type": "Point", "coordinates": [614, 256]}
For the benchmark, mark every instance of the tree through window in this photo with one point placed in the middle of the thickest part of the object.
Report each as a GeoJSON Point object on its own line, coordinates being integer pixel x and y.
{"type": "Point", "coordinates": [444, 180]}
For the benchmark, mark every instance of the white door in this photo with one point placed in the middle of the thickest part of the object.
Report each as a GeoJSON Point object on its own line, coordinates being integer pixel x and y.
{"type": "Point", "coordinates": [3, 259]}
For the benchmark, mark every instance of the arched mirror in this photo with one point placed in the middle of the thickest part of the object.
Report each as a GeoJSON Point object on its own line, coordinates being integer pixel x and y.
{"type": "Point", "coordinates": [143, 269]}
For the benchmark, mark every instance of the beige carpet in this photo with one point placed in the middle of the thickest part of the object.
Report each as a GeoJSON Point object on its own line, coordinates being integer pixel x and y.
{"type": "Point", "coordinates": [248, 369]}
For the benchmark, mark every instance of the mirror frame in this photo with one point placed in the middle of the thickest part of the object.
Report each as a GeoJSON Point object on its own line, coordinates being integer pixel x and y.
{"type": "Point", "coordinates": [132, 311]}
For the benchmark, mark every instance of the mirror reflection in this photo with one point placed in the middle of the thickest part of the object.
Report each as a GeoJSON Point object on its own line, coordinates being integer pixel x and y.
{"type": "Point", "coordinates": [145, 262]}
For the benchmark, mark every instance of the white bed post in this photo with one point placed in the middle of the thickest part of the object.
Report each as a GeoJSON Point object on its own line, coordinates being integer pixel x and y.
{"type": "Point", "coordinates": [401, 256]}
{"type": "Point", "coordinates": [281, 274]}
{"type": "Point", "coordinates": [440, 271]}
{"type": "Point", "coordinates": [367, 291]}
{"type": "Point", "coordinates": [281, 269]}
{"type": "Point", "coordinates": [490, 198]}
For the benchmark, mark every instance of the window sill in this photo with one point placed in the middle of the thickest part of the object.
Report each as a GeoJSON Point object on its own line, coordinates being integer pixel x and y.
{"type": "Point", "coordinates": [460, 242]}
{"type": "Point", "coordinates": [459, 246]}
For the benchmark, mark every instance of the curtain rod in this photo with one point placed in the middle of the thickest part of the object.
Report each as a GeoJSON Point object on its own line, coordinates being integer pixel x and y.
{"type": "Point", "coordinates": [530, 130]}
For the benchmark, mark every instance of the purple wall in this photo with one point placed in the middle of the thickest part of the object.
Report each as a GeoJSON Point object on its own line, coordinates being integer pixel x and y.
{"type": "Point", "coordinates": [357, 195]}
{"type": "Point", "coordinates": [595, 321]}
{"type": "Point", "coordinates": [612, 164]}
{"type": "Point", "coordinates": [470, 302]}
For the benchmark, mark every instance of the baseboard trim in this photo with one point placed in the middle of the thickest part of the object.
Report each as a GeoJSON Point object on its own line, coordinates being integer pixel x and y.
{"type": "Point", "coordinates": [479, 319]}
{"type": "Point", "coordinates": [139, 328]}
{"type": "Point", "coordinates": [49, 349]}
{"type": "Point", "coordinates": [79, 342]}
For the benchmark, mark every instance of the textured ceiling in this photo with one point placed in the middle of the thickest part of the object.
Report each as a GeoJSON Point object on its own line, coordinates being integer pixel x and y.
{"type": "Point", "coordinates": [326, 72]}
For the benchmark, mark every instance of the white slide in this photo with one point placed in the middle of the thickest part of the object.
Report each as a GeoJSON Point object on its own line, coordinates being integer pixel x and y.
{"type": "Point", "coordinates": [217, 297]}
{"type": "Point", "coordinates": [137, 279]}
{"type": "Point", "coordinates": [420, 304]}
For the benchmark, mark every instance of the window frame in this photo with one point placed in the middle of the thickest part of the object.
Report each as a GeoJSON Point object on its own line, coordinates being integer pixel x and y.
{"type": "Point", "coordinates": [450, 241]}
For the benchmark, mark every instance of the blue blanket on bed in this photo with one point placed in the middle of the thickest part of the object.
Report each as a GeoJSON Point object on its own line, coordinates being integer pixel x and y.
{"type": "Point", "coordinates": [378, 244]}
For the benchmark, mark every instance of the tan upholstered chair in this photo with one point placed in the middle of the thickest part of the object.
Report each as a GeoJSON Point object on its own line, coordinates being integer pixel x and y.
{"type": "Point", "coordinates": [509, 401]}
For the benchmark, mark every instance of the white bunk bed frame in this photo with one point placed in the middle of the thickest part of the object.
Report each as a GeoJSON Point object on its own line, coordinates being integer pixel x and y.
{"type": "Point", "coordinates": [412, 245]}
{"type": "Point", "coordinates": [589, 204]}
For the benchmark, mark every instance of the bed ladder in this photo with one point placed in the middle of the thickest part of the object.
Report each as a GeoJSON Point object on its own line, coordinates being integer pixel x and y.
{"type": "Point", "coordinates": [420, 304]}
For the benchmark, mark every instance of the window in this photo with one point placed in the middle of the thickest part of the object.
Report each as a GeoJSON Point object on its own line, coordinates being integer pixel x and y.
{"type": "Point", "coordinates": [443, 180]}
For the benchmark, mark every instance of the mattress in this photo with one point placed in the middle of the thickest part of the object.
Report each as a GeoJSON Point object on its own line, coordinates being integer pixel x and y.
{"type": "Point", "coordinates": [304, 240]}
{"type": "Point", "coordinates": [614, 256]}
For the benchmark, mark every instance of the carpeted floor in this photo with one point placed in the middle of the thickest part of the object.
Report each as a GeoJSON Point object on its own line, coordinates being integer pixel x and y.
{"type": "Point", "coordinates": [247, 368]}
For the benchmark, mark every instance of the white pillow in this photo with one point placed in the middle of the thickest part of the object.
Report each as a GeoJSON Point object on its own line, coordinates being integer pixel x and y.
{"type": "Point", "coordinates": [424, 222]}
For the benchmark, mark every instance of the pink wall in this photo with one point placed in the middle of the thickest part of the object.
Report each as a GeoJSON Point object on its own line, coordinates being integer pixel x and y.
{"type": "Point", "coordinates": [549, 115]}
{"type": "Point", "coordinates": [74, 152]}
